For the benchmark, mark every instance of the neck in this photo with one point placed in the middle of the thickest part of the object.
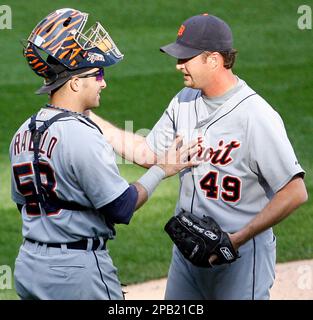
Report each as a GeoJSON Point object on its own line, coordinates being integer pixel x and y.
{"type": "Point", "coordinates": [52, 106]}
{"type": "Point", "coordinates": [220, 83]}
{"type": "Point", "coordinates": [66, 102]}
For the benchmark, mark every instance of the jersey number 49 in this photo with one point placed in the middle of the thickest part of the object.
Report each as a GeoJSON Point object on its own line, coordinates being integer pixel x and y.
{"type": "Point", "coordinates": [231, 187]}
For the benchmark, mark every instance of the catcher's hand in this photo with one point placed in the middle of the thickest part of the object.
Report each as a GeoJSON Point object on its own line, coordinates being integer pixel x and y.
{"type": "Point", "coordinates": [199, 239]}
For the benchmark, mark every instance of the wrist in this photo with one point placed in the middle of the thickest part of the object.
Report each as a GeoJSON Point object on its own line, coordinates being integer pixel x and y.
{"type": "Point", "coordinates": [237, 239]}
{"type": "Point", "coordinates": [152, 178]}
{"type": "Point", "coordinates": [161, 166]}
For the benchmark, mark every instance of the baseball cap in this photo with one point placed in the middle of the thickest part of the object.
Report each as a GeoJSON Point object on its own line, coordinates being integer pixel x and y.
{"type": "Point", "coordinates": [200, 33]}
{"type": "Point", "coordinates": [59, 77]}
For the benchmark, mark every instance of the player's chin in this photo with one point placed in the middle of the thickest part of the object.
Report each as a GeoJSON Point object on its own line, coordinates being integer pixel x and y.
{"type": "Point", "coordinates": [97, 101]}
{"type": "Point", "coordinates": [189, 84]}
{"type": "Point", "coordinates": [95, 104]}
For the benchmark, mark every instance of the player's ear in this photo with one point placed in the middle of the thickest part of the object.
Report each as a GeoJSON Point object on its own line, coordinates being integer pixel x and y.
{"type": "Point", "coordinates": [213, 60]}
{"type": "Point", "coordinates": [74, 84]}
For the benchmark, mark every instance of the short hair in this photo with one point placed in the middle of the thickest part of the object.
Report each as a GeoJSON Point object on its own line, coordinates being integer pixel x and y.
{"type": "Point", "coordinates": [229, 57]}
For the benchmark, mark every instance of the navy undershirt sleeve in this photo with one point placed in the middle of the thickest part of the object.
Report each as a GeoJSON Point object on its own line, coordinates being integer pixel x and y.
{"type": "Point", "coordinates": [122, 208]}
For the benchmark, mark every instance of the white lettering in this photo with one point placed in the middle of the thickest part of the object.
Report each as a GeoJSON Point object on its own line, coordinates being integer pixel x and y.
{"type": "Point", "coordinates": [125, 310]}
{"type": "Point", "coordinates": [305, 20]}
{"type": "Point", "coordinates": [92, 57]}
{"type": "Point", "coordinates": [5, 17]}
{"type": "Point", "coordinates": [5, 277]}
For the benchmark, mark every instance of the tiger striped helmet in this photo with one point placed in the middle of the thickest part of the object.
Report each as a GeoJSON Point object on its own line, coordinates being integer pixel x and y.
{"type": "Point", "coordinates": [61, 36]}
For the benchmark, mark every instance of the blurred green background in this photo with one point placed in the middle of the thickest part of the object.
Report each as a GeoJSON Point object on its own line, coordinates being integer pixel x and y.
{"type": "Point", "coordinates": [275, 58]}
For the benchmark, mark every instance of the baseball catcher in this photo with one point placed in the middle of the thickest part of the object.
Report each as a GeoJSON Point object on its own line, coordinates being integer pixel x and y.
{"type": "Point", "coordinates": [68, 206]}
{"type": "Point", "coordinates": [199, 239]}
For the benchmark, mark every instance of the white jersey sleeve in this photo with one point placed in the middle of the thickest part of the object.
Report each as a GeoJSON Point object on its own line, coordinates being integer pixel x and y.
{"type": "Point", "coordinates": [271, 154]}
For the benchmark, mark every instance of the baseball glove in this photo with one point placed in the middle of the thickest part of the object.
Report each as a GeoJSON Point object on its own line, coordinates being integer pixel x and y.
{"type": "Point", "coordinates": [198, 239]}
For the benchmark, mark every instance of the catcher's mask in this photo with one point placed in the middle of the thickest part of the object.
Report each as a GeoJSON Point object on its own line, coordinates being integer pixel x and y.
{"type": "Point", "coordinates": [60, 36]}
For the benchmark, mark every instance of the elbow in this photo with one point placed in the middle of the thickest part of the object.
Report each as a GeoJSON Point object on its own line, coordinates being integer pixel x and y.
{"type": "Point", "coordinates": [147, 165]}
{"type": "Point", "coordinates": [146, 161]}
{"type": "Point", "coordinates": [144, 156]}
{"type": "Point", "coordinates": [304, 196]}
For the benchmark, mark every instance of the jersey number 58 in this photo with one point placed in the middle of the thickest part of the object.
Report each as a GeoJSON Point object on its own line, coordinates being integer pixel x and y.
{"type": "Point", "coordinates": [24, 175]}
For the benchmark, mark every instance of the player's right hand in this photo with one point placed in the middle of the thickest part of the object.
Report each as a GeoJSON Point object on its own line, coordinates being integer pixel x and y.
{"type": "Point", "coordinates": [179, 156]}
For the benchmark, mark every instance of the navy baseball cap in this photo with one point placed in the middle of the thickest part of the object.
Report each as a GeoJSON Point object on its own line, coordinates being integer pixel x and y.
{"type": "Point", "coordinates": [200, 33]}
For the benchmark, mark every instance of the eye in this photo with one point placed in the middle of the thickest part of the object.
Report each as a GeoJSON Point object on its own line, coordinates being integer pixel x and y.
{"type": "Point", "coordinates": [182, 61]}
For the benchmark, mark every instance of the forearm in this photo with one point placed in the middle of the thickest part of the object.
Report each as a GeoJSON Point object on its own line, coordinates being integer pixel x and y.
{"type": "Point", "coordinates": [283, 203]}
{"type": "Point", "coordinates": [142, 195]}
{"type": "Point", "coordinates": [128, 145]}
{"type": "Point", "coordinates": [148, 183]}
{"type": "Point", "coordinates": [173, 161]}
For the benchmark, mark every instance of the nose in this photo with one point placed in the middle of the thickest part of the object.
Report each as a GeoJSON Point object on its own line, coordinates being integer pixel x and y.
{"type": "Point", "coordinates": [179, 66]}
{"type": "Point", "coordinates": [103, 84]}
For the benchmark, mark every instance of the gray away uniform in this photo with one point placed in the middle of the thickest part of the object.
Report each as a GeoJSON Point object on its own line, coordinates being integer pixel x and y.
{"type": "Point", "coordinates": [247, 159]}
{"type": "Point", "coordinates": [77, 165]}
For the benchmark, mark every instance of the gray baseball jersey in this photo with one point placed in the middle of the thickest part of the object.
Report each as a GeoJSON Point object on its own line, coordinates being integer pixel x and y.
{"type": "Point", "coordinates": [79, 165]}
{"type": "Point", "coordinates": [246, 151]}
{"type": "Point", "coordinates": [247, 159]}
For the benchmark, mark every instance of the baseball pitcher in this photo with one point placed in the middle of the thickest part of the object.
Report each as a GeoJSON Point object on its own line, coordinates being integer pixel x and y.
{"type": "Point", "coordinates": [250, 178]}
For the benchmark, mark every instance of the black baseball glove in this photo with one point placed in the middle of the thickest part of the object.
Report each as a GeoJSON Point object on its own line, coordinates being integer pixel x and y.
{"type": "Point", "coordinates": [198, 239]}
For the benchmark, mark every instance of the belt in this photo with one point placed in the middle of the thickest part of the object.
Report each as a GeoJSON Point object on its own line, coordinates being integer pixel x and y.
{"type": "Point", "coordinates": [79, 245]}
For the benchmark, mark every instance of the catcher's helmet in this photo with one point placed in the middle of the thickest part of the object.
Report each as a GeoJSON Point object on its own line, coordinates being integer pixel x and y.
{"type": "Point", "coordinates": [60, 38]}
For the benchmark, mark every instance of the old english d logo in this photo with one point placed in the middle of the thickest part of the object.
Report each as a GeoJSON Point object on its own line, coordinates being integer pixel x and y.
{"type": "Point", "coordinates": [181, 30]}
